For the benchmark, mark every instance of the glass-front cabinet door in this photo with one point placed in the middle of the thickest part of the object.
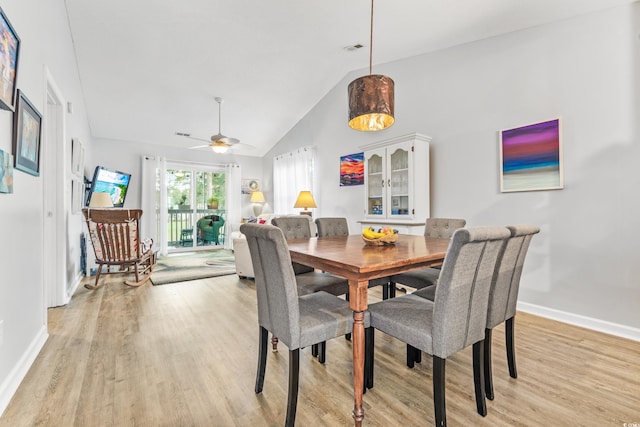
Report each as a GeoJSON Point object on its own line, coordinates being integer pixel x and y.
{"type": "Point", "coordinates": [375, 178]}
{"type": "Point", "coordinates": [398, 182]}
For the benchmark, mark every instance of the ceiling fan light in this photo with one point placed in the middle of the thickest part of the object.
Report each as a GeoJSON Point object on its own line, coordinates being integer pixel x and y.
{"type": "Point", "coordinates": [219, 147]}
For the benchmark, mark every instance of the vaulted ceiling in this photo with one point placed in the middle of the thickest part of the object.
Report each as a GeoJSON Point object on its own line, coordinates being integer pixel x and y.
{"type": "Point", "coordinates": [149, 68]}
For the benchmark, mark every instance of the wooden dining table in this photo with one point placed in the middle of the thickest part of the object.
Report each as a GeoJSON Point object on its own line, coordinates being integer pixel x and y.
{"type": "Point", "coordinates": [349, 257]}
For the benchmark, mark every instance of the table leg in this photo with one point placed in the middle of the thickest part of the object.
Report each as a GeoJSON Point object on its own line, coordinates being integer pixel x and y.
{"type": "Point", "coordinates": [358, 366]}
{"type": "Point", "coordinates": [358, 303]}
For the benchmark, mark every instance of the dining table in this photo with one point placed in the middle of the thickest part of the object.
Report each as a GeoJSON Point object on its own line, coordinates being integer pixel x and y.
{"type": "Point", "coordinates": [350, 257]}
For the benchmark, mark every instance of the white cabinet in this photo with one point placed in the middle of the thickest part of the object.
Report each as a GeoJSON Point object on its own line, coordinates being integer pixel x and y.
{"type": "Point", "coordinates": [397, 183]}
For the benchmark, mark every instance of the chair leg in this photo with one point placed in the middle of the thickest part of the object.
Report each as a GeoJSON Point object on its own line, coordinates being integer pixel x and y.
{"type": "Point", "coordinates": [385, 291]}
{"type": "Point", "coordinates": [392, 289]}
{"type": "Point", "coordinates": [322, 351]}
{"type": "Point", "coordinates": [262, 358]}
{"type": "Point", "coordinates": [96, 285]}
{"type": "Point", "coordinates": [292, 400]}
{"type": "Point", "coordinates": [410, 361]}
{"type": "Point", "coordinates": [414, 355]}
{"type": "Point", "coordinates": [488, 374]}
{"type": "Point", "coordinates": [439, 401]}
{"type": "Point", "coordinates": [511, 349]}
{"type": "Point", "coordinates": [478, 377]}
{"type": "Point", "coordinates": [369, 338]}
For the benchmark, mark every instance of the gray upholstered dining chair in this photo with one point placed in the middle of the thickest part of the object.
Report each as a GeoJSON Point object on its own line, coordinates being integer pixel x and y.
{"type": "Point", "coordinates": [418, 279]}
{"type": "Point", "coordinates": [455, 319]}
{"type": "Point", "coordinates": [503, 298]}
{"type": "Point", "coordinates": [328, 227]}
{"type": "Point", "coordinates": [308, 279]}
{"type": "Point", "coordinates": [298, 320]}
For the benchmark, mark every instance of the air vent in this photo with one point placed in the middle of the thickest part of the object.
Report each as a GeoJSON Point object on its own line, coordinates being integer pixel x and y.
{"type": "Point", "coordinates": [353, 47]}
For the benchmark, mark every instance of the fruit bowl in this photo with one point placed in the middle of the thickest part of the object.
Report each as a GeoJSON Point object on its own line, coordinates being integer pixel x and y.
{"type": "Point", "coordinates": [387, 239]}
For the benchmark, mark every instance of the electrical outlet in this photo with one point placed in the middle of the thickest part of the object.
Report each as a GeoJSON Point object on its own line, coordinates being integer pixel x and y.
{"type": "Point", "coordinates": [1, 332]}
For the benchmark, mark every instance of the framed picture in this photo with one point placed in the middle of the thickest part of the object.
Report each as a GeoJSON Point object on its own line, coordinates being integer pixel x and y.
{"type": "Point", "coordinates": [27, 127]}
{"type": "Point", "coordinates": [77, 157]}
{"type": "Point", "coordinates": [77, 195]}
{"type": "Point", "coordinates": [352, 169]}
{"type": "Point", "coordinates": [531, 157]}
{"type": "Point", "coordinates": [250, 185]}
{"type": "Point", "coordinates": [6, 172]}
{"type": "Point", "coordinates": [9, 53]}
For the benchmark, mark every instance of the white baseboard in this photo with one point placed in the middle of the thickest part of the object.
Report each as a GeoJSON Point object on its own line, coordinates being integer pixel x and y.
{"type": "Point", "coordinates": [9, 387]}
{"type": "Point", "coordinates": [76, 283]}
{"type": "Point", "coordinates": [583, 321]}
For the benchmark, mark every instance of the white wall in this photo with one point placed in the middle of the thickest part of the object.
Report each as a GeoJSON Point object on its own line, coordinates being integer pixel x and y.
{"type": "Point", "coordinates": [586, 260]}
{"type": "Point", "coordinates": [46, 41]}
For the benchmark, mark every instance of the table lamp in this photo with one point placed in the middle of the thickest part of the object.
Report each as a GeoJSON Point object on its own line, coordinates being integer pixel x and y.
{"type": "Point", "coordinates": [257, 198]}
{"type": "Point", "coordinates": [100, 200]}
{"type": "Point", "coordinates": [305, 200]}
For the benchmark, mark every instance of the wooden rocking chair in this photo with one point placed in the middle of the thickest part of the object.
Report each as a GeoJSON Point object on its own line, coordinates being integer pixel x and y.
{"type": "Point", "coordinates": [115, 236]}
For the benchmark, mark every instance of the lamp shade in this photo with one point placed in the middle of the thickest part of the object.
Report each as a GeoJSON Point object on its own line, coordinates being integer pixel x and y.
{"type": "Point", "coordinates": [371, 98]}
{"type": "Point", "coordinates": [305, 200]}
{"type": "Point", "coordinates": [371, 103]}
{"type": "Point", "coordinates": [257, 197]}
{"type": "Point", "coordinates": [100, 200]}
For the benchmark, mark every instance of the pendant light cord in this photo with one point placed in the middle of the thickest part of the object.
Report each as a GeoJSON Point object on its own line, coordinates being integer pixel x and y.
{"type": "Point", "coordinates": [371, 42]}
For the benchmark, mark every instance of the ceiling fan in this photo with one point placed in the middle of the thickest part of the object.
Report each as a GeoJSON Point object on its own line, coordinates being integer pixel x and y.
{"type": "Point", "coordinates": [219, 143]}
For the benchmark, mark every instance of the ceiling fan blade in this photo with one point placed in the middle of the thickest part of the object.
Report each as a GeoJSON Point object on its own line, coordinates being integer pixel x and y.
{"type": "Point", "coordinates": [199, 146]}
{"type": "Point", "coordinates": [188, 135]}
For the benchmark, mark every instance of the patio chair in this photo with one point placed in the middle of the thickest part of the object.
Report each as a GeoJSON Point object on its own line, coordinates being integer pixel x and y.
{"type": "Point", "coordinates": [115, 236]}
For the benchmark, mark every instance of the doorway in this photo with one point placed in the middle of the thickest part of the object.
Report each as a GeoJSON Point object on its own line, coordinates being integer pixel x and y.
{"type": "Point", "coordinates": [53, 194]}
{"type": "Point", "coordinates": [196, 214]}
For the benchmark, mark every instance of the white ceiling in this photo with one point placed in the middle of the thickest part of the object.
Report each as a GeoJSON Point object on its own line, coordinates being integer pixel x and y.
{"type": "Point", "coordinates": [150, 68]}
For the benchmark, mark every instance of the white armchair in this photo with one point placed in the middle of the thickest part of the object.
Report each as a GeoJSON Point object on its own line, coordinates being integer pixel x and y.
{"type": "Point", "coordinates": [244, 265]}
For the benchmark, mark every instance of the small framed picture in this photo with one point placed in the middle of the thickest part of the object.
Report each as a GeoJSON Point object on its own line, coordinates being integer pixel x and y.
{"type": "Point", "coordinates": [27, 129]}
{"type": "Point", "coordinates": [77, 157]}
{"type": "Point", "coordinates": [6, 172]}
{"type": "Point", "coordinates": [9, 53]}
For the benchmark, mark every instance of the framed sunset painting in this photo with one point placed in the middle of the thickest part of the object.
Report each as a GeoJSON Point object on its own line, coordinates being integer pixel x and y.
{"type": "Point", "coordinates": [531, 157]}
{"type": "Point", "coordinates": [352, 169]}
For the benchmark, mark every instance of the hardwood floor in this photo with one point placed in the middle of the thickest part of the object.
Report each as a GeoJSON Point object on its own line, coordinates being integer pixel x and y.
{"type": "Point", "coordinates": [185, 355]}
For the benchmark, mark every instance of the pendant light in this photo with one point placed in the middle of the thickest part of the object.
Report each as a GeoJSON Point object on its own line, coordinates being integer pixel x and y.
{"type": "Point", "coordinates": [371, 102]}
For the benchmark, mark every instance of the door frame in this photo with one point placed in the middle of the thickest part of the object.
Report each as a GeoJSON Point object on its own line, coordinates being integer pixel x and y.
{"type": "Point", "coordinates": [54, 195]}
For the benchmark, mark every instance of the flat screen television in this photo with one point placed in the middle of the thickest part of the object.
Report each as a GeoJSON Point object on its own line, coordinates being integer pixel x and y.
{"type": "Point", "coordinates": [110, 181]}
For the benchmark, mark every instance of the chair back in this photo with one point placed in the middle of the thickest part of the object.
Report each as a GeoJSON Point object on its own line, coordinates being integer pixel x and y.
{"type": "Point", "coordinates": [278, 309]}
{"type": "Point", "coordinates": [462, 294]}
{"type": "Point", "coordinates": [503, 296]}
{"type": "Point", "coordinates": [295, 227]}
{"type": "Point", "coordinates": [114, 234]}
{"type": "Point", "coordinates": [443, 227]}
{"type": "Point", "coordinates": [328, 227]}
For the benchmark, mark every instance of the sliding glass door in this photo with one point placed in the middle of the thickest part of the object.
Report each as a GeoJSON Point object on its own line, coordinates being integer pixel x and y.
{"type": "Point", "coordinates": [195, 207]}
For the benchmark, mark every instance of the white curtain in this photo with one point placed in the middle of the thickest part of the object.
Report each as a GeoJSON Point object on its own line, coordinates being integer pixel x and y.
{"type": "Point", "coordinates": [292, 172]}
{"type": "Point", "coordinates": [154, 201]}
{"type": "Point", "coordinates": [234, 208]}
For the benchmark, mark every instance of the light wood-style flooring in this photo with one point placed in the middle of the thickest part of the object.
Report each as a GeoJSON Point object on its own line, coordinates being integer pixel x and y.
{"type": "Point", "coordinates": [185, 355]}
